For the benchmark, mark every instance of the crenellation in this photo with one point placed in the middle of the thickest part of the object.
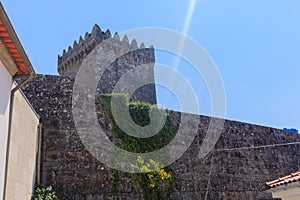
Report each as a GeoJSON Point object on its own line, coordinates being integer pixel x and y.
{"type": "Point", "coordinates": [86, 36]}
{"type": "Point", "coordinates": [75, 44]}
{"type": "Point", "coordinates": [116, 37]}
{"type": "Point", "coordinates": [70, 49]}
{"type": "Point", "coordinates": [107, 34]}
{"type": "Point", "coordinates": [80, 40]}
{"type": "Point", "coordinates": [71, 59]}
{"type": "Point", "coordinates": [125, 40]}
{"type": "Point", "coordinates": [134, 44]}
{"type": "Point", "coordinates": [96, 30]}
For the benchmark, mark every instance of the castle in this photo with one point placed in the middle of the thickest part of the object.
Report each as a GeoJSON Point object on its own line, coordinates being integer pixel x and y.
{"type": "Point", "coordinates": [244, 158]}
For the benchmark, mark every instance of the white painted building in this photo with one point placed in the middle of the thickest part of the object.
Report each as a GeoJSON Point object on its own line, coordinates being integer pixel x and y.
{"type": "Point", "coordinates": [18, 121]}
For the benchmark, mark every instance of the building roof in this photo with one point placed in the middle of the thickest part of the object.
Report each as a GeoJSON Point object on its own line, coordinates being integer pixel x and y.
{"type": "Point", "coordinates": [293, 177]}
{"type": "Point", "coordinates": [11, 41]}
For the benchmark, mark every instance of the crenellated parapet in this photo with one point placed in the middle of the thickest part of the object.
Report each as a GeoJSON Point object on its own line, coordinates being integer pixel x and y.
{"type": "Point", "coordinates": [71, 58]}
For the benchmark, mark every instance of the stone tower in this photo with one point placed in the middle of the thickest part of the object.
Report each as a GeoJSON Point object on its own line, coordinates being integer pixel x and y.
{"type": "Point", "coordinates": [70, 61]}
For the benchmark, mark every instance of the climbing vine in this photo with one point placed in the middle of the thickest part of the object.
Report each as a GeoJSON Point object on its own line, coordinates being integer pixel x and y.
{"type": "Point", "coordinates": [158, 183]}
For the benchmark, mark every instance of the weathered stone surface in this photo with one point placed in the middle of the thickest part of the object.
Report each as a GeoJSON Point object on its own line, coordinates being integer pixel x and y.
{"type": "Point", "coordinates": [226, 173]}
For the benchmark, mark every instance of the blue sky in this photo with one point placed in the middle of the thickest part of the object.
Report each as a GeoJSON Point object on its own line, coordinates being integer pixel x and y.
{"type": "Point", "coordinates": [255, 45]}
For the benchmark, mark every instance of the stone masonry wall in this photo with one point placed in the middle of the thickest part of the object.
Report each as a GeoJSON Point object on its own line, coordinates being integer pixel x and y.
{"type": "Point", "coordinates": [237, 168]}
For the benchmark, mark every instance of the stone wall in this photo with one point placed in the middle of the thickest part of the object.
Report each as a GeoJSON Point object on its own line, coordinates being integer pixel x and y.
{"type": "Point", "coordinates": [238, 167]}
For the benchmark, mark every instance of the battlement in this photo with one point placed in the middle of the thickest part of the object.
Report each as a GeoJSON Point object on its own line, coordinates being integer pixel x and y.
{"type": "Point", "coordinates": [71, 59]}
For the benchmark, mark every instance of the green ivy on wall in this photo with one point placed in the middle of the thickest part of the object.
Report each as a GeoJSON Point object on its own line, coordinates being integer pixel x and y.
{"type": "Point", "coordinates": [158, 183]}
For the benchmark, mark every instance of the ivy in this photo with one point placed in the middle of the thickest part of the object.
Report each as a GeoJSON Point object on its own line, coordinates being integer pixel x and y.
{"type": "Point", "coordinates": [139, 112]}
{"type": "Point", "coordinates": [158, 183]}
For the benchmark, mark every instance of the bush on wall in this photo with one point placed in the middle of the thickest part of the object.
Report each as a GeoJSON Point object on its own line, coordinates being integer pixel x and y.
{"type": "Point", "coordinates": [42, 193]}
{"type": "Point", "coordinates": [158, 183]}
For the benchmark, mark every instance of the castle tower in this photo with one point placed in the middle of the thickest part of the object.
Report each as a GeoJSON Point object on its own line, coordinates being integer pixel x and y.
{"type": "Point", "coordinates": [70, 61]}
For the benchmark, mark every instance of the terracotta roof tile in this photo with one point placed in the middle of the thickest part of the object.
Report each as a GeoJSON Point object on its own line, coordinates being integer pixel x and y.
{"type": "Point", "coordinates": [10, 39]}
{"type": "Point", "coordinates": [5, 37]}
{"type": "Point", "coordinates": [293, 177]}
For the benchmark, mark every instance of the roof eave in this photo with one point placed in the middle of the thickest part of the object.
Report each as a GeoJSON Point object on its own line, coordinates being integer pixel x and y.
{"type": "Point", "coordinates": [13, 36]}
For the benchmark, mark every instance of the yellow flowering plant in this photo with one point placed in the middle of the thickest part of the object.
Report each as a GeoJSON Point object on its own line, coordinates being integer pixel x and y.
{"type": "Point", "coordinates": [154, 182]}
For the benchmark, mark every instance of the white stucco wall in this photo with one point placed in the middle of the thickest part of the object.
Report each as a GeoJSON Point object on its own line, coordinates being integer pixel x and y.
{"type": "Point", "coordinates": [5, 87]}
{"type": "Point", "coordinates": [23, 150]}
{"type": "Point", "coordinates": [289, 192]}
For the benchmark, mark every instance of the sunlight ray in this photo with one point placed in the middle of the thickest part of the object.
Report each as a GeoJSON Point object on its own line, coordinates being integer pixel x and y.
{"type": "Point", "coordinates": [181, 42]}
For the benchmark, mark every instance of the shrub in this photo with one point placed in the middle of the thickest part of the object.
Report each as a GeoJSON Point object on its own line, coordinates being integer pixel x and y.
{"type": "Point", "coordinates": [42, 193]}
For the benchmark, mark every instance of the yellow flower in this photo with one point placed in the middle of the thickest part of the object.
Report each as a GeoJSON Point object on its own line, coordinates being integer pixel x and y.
{"type": "Point", "coordinates": [152, 185]}
{"type": "Point", "coordinates": [150, 176]}
{"type": "Point", "coordinates": [144, 169]}
{"type": "Point", "coordinates": [140, 160]}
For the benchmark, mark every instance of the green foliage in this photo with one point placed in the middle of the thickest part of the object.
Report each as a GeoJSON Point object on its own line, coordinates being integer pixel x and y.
{"type": "Point", "coordinates": [139, 112]}
{"type": "Point", "coordinates": [158, 183]}
{"type": "Point", "coordinates": [42, 193]}
{"type": "Point", "coordinates": [116, 183]}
